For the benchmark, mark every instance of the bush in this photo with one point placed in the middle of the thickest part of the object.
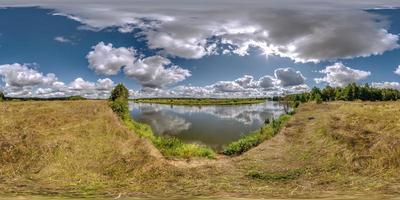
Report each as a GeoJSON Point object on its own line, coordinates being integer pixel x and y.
{"type": "Point", "coordinates": [248, 141]}
{"type": "Point", "coordinates": [119, 101]}
{"type": "Point", "coordinates": [318, 99]}
{"type": "Point", "coordinates": [2, 97]}
{"type": "Point", "coordinates": [170, 147]}
{"type": "Point", "coordinates": [120, 107]}
{"type": "Point", "coordinates": [119, 92]}
{"type": "Point", "coordinates": [243, 144]}
{"type": "Point", "coordinates": [175, 147]}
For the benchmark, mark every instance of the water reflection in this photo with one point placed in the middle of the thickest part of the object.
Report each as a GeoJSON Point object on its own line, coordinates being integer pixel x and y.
{"type": "Point", "coordinates": [215, 126]}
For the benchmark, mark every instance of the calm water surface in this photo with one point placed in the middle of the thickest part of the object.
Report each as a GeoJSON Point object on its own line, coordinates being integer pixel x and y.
{"type": "Point", "coordinates": [214, 126]}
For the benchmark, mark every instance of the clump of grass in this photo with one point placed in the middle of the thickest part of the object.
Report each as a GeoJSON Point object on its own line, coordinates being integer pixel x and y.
{"type": "Point", "coordinates": [169, 147]}
{"type": "Point", "coordinates": [248, 141]}
{"type": "Point", "coordinates": [276, 176]}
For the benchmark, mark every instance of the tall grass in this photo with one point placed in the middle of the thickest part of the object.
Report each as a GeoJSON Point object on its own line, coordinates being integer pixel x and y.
{"type": "Point", "coordinates": [169, 147]}
{"type": "Point", "coordinates": [248, 141]}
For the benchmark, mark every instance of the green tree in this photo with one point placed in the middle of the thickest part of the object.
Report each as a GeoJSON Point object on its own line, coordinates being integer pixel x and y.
{"type": "Point", "coordinates": [119, 101]}
{"type": "Point", "coordinates": [314, 93]}
{"type": "Point", "coordinates": [2, 97]}
{"type": "Point", "coordinates": [318, 99]}
{"type": "Point", "coordinates": [328, 93]}
{"type": "Point", "coordinates": [120, 91]}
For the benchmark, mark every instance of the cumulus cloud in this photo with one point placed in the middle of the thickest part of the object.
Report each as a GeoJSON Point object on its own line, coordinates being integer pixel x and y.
{"type": "Point", "coordinates": [245, 86]}
{"type": "Point", "coordinates": [387, 85]}
{"type": "Point", "coordinates": [397, 71]}
{"type": "Point", "coordinates": [289, 77]}
{"type": "Point", "coordinates": [308, 31]}
{"type": "Point", "coordinates": [20, 75]}
{"type": "Point", "coordinates": [154, 71]}
{"type": "Point", "coordinates": [22, 81]}
{"type": "Point", "coordinates": [104, 59]}
{"type": "Point", "coordinates": [340, 75]}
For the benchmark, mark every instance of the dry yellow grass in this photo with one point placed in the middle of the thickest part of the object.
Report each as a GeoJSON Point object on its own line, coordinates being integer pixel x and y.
{"type": "Point", "coordinates": [67, 145]}
{"type": "Point", "coordinates": [81, 148]}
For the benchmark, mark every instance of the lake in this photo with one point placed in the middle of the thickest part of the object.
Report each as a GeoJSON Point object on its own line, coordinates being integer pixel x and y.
{"type": "Point", "coordinates": [214, 126]}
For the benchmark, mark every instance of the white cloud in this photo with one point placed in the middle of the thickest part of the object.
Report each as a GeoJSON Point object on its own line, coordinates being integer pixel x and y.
{"type": "Point", "coordinates": [62, 39]}
{"type": "Point", "coordinates": [107, 60]}
{"type": "Point", "coordinates": [267, 82]}
{"type": "Point", "coordinates": [308, 31]}
{"type": "Point", "coordinates": [397, 71]}
{"type": "Point", "coordinates": [289, 77]}
{"type": "Point", "coordinates": [241, 87]}
{"type": "Point", "coordinates": [81, 84]}
{"type": "Point", "coordinates": [154, 71]}
{"type": "Point", "coordinates": [340, 75]}
{"type": "Point", "coordinates": [388, 85]}
{"type": "Point", "coordinates": [22, 81]}
{"type": "Point", "coordinates": [20, 75]}
{"type": "Point", "coordinates": [105, 84]}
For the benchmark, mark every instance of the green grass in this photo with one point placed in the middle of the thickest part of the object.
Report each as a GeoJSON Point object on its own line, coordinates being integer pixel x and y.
{"type": "Point", "coordinates": [286, 175]}
{"type": "Point", "coordinates": [169, 147]}
{"type": "Point", "coordinates": [201, 101]}
{"type": "Point", "coordinates": [249, 141]}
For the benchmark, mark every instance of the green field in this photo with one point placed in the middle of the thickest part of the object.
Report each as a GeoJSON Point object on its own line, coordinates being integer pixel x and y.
{"type": "Point", "coordinates": [82, 149]}
{"type": "Point", "coordinates": [200, 101]}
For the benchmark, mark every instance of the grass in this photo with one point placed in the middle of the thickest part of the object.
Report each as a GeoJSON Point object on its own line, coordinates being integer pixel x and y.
{"type": "Point", "coordinates": [249, 141]}
{"type": "Point", "coordinates": [169, 147]}
{"type": "Point", "coordinates": [81, 148]}
{"type": "Point", "coordinates": [67, 145]}
{"type": "Point", "coordinates": [201, 101]}
{"type": "Point", "coordinates": [286, 175]}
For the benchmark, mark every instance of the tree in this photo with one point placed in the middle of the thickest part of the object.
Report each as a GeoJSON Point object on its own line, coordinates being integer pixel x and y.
{"type": "Point", "coordinates": [328, 93]}
{"type": "Point", "coordinates": [314, 93]}
{"type": "Point", "coordinates": [318, 99]}
{"type": "Point", "coordinates": [119, 101]}
{"type": "Point", "coordinates": [2, 97]}
{"type": "Point", "coordinates": [120, 91]}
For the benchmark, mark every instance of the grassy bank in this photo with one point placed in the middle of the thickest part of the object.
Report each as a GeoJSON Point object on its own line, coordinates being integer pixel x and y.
{"type": "Point", "coordinates": [169, 147]}
{"type": "Point", "coordinates": [81, 148]}
{"type": "Point", "coordinates": [249, 141]}
{"type": "Point", "coordinates": [68, 147]}
{"type": "Point", "coordinates": [201, 101]}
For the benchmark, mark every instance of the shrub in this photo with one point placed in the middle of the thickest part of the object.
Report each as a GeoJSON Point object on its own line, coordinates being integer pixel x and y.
{"type": "Point", "coordinates": [170, 147]}
{"type": "Point", "coordinates": [2, 96]}
{"type": "Point", "coordinates": [119, 101]}
{"type": "Point", "coordinates": [119, 92]}
{"type": "Point", "coordinates": [120, 107]}
{"type": "Point", "coordinates": [248, 141]}
{"type": "Point", "coordinates": [318, 99]}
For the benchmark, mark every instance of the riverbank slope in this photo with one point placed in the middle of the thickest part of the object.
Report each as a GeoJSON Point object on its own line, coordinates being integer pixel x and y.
{"type": "Point", "coordinates": [80, 148]}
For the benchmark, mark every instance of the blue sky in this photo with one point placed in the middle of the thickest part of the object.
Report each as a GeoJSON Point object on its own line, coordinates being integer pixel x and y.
{"type": "Point", "coordinates": [158, 55]}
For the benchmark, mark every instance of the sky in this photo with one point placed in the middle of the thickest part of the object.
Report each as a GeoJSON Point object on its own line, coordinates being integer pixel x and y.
{"type": "Point", "coordinates": [202, 48]}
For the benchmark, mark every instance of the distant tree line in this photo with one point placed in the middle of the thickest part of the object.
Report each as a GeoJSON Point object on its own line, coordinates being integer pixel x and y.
{"type": "Point", "coordinates": [4, 98]}
{"type": "Point", "coordinates": [349, 93]}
